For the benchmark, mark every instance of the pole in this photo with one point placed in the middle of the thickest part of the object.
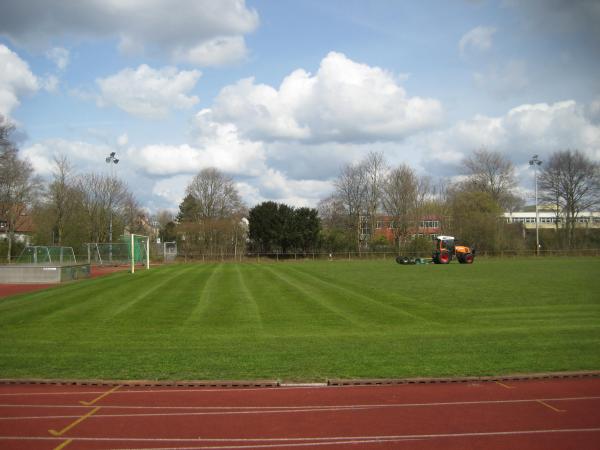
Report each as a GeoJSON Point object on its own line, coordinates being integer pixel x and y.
{"type": "Point", "coordinates": [537, 215]}
{"type": "Point", "coordinates": [535, 162]}
{"type": "Point", "coordinates": [148, 253]}
{"type": "Point", "coordinates": [112, 161]}
{"type": "Point", "coordinates": [132, 254]}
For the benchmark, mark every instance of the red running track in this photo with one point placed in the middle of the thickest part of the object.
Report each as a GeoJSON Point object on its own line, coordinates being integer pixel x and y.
{"type": "Point", "coordinates": [536, 414]}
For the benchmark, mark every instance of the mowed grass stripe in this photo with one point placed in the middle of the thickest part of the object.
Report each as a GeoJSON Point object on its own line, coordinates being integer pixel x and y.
{"type": "Point", "coordinates": [249, 300]}
{"type": "Point", "coordinates": [368, 303]}
{"type": "Point", "coordinates": [156, 299]}
{"type": "Point", "coordinates": [202, 294]}
{"type": "Point", "coordinates": [396, 292]}
{"type": "Point", "coordinates": [284, 309]}
{"type": "Point", "coordinates": [98, 299]}
{"type": "Point", "coordinates": [310, 294]}
{"type": "Point", "coordinates": [222, 305]}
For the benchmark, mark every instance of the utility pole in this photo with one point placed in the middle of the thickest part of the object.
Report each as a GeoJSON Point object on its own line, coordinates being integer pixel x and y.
{"type": "Point", "coordinates": [535, 162]}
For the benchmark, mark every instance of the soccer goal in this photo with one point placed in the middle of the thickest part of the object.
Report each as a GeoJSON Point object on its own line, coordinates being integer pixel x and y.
{"type": "Point", "coordinates": [139, 250]}
{"type": "Point", "coordinates": [47, 254]}
{"type": "Point", "coordinates": [132, 250]}
{"type": "Point", "coordinates": [108, 253]}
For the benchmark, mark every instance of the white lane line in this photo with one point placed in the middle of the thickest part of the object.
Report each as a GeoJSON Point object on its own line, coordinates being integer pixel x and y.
{"type": "Point", "coordinates": [313, 440]}
{"type": "Point", "coordinates": [233, 410]}
{"type": "Point", "coordinates": [310, 407]}
{"type": "Point", "coordinates": [158, 390]}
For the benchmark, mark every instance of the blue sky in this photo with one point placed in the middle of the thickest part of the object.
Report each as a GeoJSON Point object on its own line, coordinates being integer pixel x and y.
{"type": "Point", "coordinates": [281, 94]}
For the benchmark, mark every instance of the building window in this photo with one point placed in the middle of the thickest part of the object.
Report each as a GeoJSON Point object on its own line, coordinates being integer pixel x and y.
{"type": "Point", "coordinates": [430, 224]}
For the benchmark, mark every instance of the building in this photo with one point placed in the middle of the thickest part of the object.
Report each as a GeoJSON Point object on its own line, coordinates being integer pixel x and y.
{"type": "Point", "coordinates": [429, 226]}
{"type": "Point", "coordinates": [549, 219]}
{"type": "Point", "coordinates": [24, 230]}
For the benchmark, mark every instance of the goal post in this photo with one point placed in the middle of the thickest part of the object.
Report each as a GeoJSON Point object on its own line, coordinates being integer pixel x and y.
{"type": "Point", "coordinates": [139, 248]}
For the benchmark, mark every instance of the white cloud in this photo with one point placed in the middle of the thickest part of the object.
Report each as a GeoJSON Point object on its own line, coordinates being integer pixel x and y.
{"type": "Point", "coordinates": [215, 52]}
{"type": "Point", "coordinates": [344, 101]}
{"type": "Point", "coordinates": [16, 80]}
{"type": "Point", "coordinates": [50, 83]}
{"type": "Point", "coordinates": [274, 185]}
{"type": "Point", "coordinates": [478, 39]}
{"type": "Point", "coordinates": [504, 81]}
{"type": "Point", "coordinates": [84, 155]}
{"type": "Point", "coordinates": [147, 92]}
{"type": "Point", "coordinates": [203, 32]}
{"type": "Point", "coordinates": [527, 129]}
{"type": "Point", "coordinates": [172, 189]}
{"type": "Point", "coordinates": [59, 56]}
{"type": "Point", "coordinates": [218, 145]}
{"type": "Point", "coordinates": [123, 140]}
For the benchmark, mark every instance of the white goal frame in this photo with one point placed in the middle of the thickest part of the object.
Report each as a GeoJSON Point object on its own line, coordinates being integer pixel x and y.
{"type": "Point", "coordinates": [132, 250]}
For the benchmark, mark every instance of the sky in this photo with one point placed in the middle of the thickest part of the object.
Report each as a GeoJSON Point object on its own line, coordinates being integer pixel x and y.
{"type": "Point", "coordinates": [281, 94]}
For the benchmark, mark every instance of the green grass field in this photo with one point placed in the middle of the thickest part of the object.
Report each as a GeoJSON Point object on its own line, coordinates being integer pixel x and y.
{"type": "Point", "coordinates": [310, 321]}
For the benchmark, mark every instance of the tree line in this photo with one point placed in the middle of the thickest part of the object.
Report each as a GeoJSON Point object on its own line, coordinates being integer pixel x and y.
{"type": "Point", "coordinates": [68, 210]}
{"type": "Point", "coordinates": [73, 208]}
{"type": "Point", "coordinates": [470, 207]}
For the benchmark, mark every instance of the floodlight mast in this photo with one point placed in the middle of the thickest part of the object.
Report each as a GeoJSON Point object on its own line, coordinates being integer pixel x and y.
{"type": "Point", "coordinates": [111, 159]}
{"type": "Point", "coordinates": [535, 162]}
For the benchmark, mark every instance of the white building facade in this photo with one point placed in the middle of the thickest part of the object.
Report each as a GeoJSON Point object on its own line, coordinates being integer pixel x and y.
{"type": "Point", "coordinates": [549, 219]}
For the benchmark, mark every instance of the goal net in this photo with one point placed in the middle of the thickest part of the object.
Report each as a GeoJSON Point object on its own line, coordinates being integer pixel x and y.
{"type": "Point", "coordinates": [132, 250]}
{"type": "Point", "coordinates": [139, 250]}
{"type": "Point", "coordinates": [42, 254]}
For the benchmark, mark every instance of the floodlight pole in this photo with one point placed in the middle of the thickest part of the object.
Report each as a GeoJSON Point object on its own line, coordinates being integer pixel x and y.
{"type": "Point", "coordinates": [535, 162]}
{"type": "Point", "coordinates": [111, 159]}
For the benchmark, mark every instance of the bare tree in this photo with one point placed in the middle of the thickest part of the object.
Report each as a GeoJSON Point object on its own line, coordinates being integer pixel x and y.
{"type": "Point", "coordinates": [404, 197]}
{"type": "Point", "coordinates": [351, 189]}
{"type": "Point", "coordinates": [103, 197]}
{"type": "Point", "coordinates": [332, 212]}
{"type": "Point", "coordinates": [163, 217]}
{"type": "Point", "coordinates": [215, 194]}
{"type": "Point", "coordinates": [493, 173]}
{"type": "Point", "coordinates": [210, 215]}
{"type": "Point", "coordinates": [18, 185]}
{"type": "Point", "coordinates": [375, 169]}
{"type": "Point", "coordinates": [572, 181]}
{"type": "Point", "coordinates": [61, 196]}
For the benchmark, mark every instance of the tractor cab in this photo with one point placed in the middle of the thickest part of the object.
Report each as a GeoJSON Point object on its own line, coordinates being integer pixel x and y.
{"type": "Point", "coordinates": [445, 243]}
{"type": "Point", "coordinates": [445, 250]}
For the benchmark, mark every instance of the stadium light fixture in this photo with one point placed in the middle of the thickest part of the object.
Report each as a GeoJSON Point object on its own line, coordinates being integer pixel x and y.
{"type": "Point", "coordinates": [535, 162]}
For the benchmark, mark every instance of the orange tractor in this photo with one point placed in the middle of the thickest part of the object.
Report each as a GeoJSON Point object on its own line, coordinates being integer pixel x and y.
{"type": "Point", "coordinates": [445, 250]}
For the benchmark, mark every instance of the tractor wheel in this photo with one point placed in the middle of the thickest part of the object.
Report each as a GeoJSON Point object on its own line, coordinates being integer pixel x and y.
{"type": "Point", "coordinates": [468, 258]}
{"type": "Point", "coordinates": [402, 260]}
{"type": "Point", "coordinates": [444, 258]}
{"type": "Point", "coordinates": [461, 258]}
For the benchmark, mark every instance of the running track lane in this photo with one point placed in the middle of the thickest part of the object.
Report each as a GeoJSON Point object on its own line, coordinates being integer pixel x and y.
{"type": "Point", "coordinates": [537, 414]}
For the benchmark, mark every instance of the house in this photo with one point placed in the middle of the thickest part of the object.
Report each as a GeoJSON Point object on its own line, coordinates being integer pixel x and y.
{"type": "Point", "coordinates": [24, 227]}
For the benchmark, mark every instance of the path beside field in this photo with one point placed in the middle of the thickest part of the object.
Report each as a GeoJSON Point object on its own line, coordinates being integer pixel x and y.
{"type": "Point", "coordinates": [12, 289]}
{"type": "Point", "coordinates": [535, 414]}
